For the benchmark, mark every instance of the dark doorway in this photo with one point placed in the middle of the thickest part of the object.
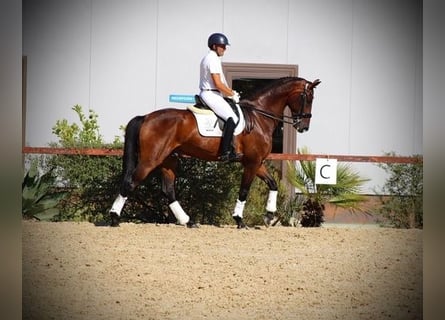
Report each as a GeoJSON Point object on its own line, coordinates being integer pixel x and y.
{"type": "Point", "coordinates": [246, 87]}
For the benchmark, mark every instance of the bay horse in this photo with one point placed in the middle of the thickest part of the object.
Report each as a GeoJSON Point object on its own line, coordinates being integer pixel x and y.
{"type": "Point", "coordinates": [153, 141]}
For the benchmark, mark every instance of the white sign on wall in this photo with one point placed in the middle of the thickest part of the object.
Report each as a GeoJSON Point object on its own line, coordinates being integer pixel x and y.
{"type": "Point", "coordinates": [325, 171]}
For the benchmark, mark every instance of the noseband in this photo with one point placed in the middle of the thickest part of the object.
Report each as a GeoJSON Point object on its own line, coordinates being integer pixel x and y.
{"type": "Point", "coordinates": [301, 114]}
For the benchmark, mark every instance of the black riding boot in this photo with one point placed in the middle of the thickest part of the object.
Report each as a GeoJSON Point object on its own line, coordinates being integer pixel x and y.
{"type": "Point", "coordinates": [227, 150]}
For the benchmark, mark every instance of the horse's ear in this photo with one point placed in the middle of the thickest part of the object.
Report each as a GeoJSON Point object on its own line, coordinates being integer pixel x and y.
{"type": "Point", "coordinates": [315, 83]}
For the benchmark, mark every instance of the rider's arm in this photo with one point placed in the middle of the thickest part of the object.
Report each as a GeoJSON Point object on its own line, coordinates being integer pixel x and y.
{"type": "Point", "coordinates": [225, 90]}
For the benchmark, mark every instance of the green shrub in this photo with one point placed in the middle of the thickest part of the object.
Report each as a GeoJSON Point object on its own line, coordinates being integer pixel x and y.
{"type": "Point", "coordinates": [91, 180]}
{"type": "Point", "coordinates": [402, 194]}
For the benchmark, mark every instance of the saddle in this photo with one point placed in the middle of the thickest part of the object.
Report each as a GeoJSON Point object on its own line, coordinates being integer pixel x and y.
{"type": "Point", "coordinates": [200, 104]}
{"type": "Point", "coordinates": [209, 124]}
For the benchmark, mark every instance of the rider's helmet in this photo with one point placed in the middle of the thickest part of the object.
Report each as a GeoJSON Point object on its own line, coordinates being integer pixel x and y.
{"type": "Point", "coordinates": [217, 38]}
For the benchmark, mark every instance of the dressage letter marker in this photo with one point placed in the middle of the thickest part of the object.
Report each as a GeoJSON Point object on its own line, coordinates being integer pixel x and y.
{"type": "Point", "coordinates": [325, 171]}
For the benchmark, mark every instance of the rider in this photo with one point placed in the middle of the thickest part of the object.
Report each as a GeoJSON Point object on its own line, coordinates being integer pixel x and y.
{"type": "Point", "coordinates": [213, 86]}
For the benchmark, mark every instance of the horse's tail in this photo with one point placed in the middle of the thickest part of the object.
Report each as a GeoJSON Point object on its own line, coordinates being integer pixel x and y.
{"type": "Point", "coordinates": [131, 153]}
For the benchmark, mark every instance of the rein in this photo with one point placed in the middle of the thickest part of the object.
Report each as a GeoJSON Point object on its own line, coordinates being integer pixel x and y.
{"type": "Point", "coordinates": [269, 115]}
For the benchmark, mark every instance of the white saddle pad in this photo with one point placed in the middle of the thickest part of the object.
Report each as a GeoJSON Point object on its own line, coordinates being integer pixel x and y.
{"type": "Point", "coordinates": [210, 126]}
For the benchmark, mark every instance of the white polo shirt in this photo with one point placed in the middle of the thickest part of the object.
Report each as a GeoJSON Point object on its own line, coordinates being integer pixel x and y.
{"type": "Point", "coordinates": [211, 63]}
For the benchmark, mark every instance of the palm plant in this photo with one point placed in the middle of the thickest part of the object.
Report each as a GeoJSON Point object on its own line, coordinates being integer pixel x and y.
{"type": "Point", "coordinates": [311, 202]}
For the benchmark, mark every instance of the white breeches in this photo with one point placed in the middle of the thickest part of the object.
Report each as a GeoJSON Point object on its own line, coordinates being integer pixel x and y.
{"type": "Point", "coordinates": [217, 103]}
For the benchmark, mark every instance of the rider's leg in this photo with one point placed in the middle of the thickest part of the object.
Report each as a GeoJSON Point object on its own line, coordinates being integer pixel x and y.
{"type": "Point", "coordinates": [217, 103]}
{"type": "Point", "coordinates": [227, 150]}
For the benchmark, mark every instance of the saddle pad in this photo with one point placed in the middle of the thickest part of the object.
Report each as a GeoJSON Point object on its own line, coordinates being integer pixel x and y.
{"type": "Point", "coordinates": [209, 125]}
{"type": "Point", "coordinates": [199, 110]}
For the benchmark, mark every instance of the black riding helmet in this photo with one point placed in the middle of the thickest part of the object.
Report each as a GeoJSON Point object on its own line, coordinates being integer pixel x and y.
{"type": "Point", "coordinates": [217, 38]}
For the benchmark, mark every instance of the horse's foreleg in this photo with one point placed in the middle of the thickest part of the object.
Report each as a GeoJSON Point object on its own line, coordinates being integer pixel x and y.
{"type": "Point", "coordinates": [271, 206]}
{"type": "Point", "coordinates": [238, 213]}
{"type": "Point", "coordinates": [246, 182]}
{"type": "Point", "coordinates": [168, 169]}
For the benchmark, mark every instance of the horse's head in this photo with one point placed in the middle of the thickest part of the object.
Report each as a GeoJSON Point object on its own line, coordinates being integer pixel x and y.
{"type": "Point", "coordinates": [300, 104]}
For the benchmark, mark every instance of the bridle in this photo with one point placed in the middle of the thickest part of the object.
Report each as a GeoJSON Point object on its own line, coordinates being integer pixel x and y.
{"type": "Point", "coordinates": [294, 120]}
{"type": "Point", "coordinates": [301, 114]}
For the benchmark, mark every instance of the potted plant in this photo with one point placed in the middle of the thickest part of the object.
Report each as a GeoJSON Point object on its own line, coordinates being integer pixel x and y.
{"type": "Point", "coordinates": [311, 202]}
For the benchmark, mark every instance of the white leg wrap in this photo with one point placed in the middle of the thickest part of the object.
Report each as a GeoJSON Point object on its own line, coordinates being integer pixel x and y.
{"type": "Point", "coordinates": [118, 204]}
{"type": "Point", "coordinates": [179, 213]}
{"type": "Point", "coordinates": [239, 208]}
{"type": "Point", "coordinates": [272, 201]}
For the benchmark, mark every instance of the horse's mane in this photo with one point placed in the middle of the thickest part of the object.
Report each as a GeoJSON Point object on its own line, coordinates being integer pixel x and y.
{"type": "Point", "coordinates": [275, 84]}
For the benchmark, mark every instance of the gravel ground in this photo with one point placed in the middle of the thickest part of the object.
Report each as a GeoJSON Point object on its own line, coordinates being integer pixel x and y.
{"type": "Point", "coordinates": [147, 271]}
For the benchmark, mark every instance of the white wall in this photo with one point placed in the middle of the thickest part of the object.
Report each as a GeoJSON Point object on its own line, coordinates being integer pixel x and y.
{"type": "Point", "coordinates": [123, 61]}
{"type": "Point", "coordinates": [123, 58]}
{"type": "Point", "coordinates": [56, 41]}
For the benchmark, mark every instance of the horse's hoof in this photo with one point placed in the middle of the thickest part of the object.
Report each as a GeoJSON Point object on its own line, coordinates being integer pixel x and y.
{"type": "Point", "coordinates": [240, 223]}
{"type": "Point", "coordinates": [115, 219]}
{"type": "Point", "coordinates": [268, 219]}
{"type": "Point", "coordinates": [193, 225]}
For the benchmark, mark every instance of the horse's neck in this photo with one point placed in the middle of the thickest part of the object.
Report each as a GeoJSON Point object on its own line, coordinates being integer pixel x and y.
{"type": "Point", "coordinates": [266, 118]}
{"type": "Point", "coordinates": [272, 105]}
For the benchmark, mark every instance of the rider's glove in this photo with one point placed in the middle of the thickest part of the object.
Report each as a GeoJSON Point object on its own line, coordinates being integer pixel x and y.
{"type": "Point", "coordinates": [235, 96]}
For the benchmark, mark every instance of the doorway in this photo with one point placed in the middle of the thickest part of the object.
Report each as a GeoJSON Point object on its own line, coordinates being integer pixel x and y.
{"type": "Point", "coordinates": [245, 86]}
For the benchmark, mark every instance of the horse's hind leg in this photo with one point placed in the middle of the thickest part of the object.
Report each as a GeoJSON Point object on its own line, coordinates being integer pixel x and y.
{"type": "Point", "coordinates": [168, 169]}
{"type": "Point", "coordinates": [129, 183]}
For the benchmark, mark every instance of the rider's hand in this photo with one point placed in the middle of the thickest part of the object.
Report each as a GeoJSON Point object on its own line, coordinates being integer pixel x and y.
{"type": "Point", "coordinates": [235, 96]}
